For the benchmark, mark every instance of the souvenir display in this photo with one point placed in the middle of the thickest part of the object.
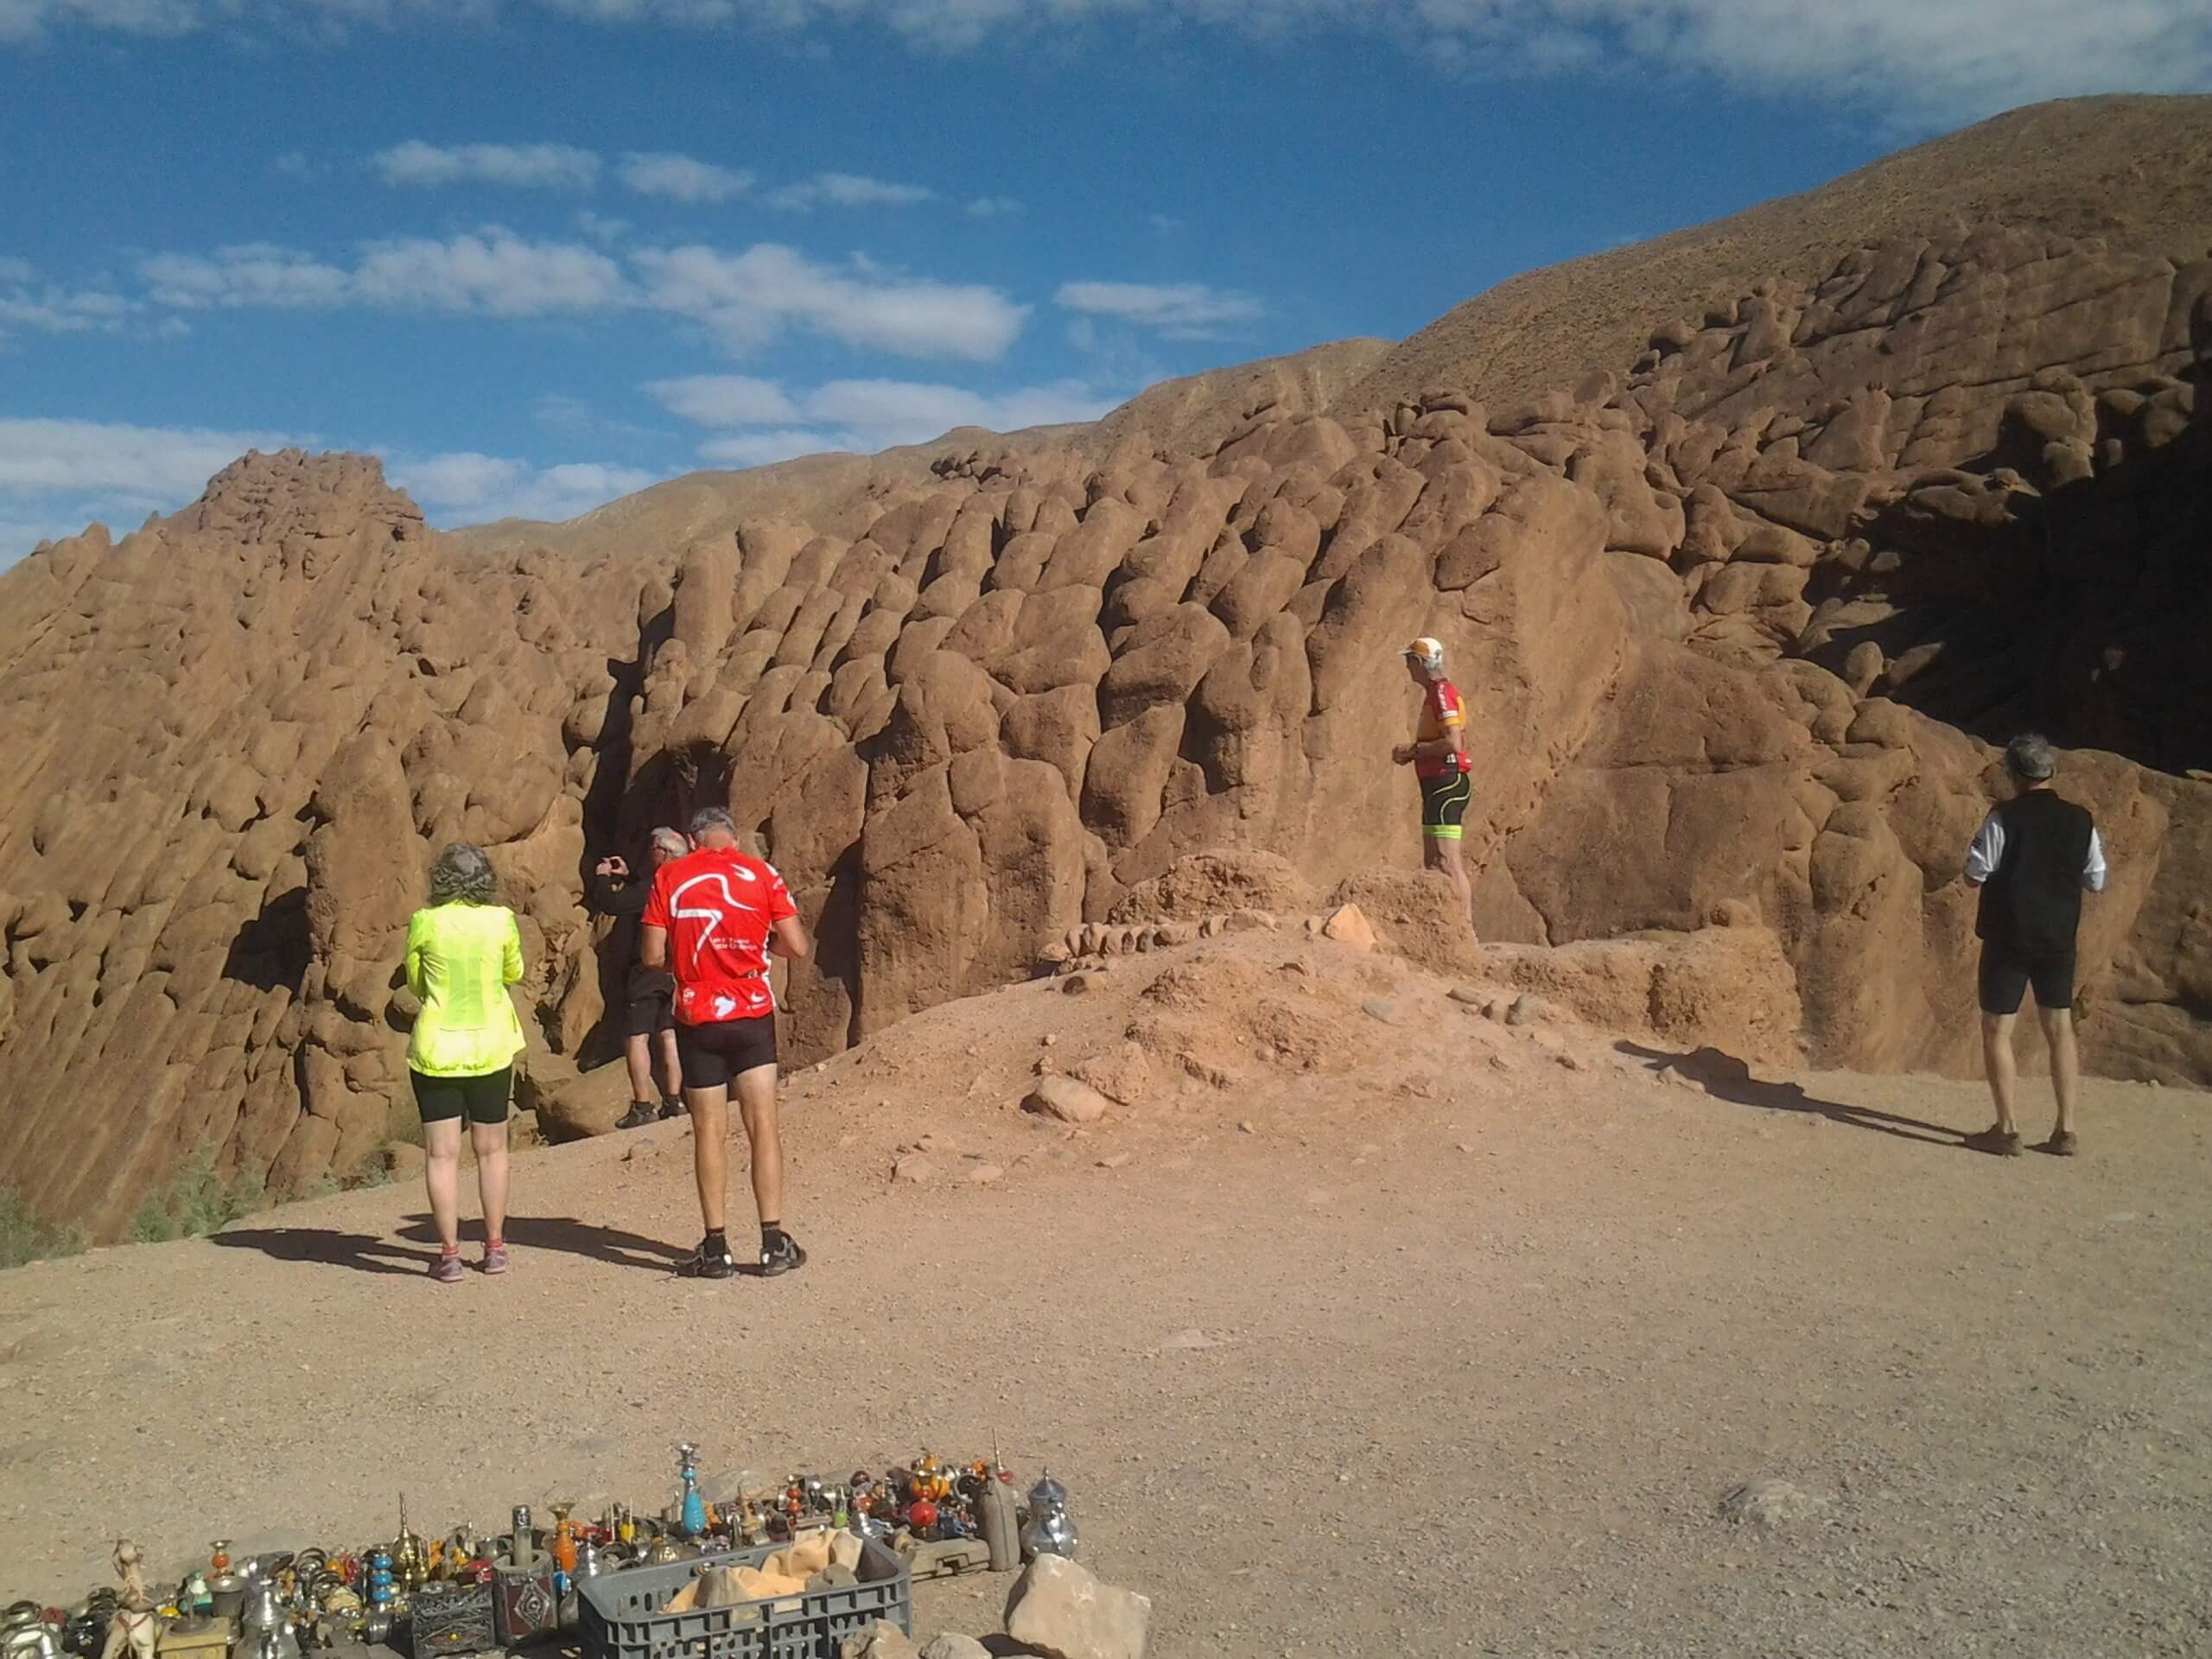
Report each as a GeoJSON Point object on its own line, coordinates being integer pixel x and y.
{"type": "Point", "coordinates": [461, 1593]}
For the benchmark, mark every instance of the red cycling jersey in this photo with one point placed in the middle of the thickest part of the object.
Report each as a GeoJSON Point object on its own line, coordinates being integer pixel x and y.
{"type": "Point", "coordinates": [1440, 710]}
{"type": "Point", "coordinates": [718, 908]}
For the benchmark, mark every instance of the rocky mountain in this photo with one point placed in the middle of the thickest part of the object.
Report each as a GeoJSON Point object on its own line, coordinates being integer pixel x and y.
{"type": "Point", "coordinates": [1734, 615]}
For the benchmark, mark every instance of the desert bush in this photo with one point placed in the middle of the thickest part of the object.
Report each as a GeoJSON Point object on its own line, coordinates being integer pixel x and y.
{"type": "Point", "coordinates": [197, 1201]}
{"type": "Point", "coordinates": [25, 1236]}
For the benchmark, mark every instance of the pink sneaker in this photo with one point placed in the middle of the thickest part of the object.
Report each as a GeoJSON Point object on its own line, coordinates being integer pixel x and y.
{"type": "Point", "coordinates": [495, 1257]}
{"type": "Point", "coordinates": [447, 1269]}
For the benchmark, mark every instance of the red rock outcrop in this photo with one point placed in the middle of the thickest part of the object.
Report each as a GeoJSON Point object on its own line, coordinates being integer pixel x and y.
{"type": "Point", "coordinates": [1729, 621]}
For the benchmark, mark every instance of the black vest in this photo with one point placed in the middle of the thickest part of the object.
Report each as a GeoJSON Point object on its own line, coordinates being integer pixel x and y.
{"type": "Point", "coordinates": [2033, 902]}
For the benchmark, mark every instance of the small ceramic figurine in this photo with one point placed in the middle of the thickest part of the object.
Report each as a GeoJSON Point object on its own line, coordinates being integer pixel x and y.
{"type": "Point", "coordinates": [134, 1626]}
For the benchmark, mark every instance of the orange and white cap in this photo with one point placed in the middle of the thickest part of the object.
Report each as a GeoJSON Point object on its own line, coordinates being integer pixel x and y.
{"type": "Point", "coordinates": [1429, 653]}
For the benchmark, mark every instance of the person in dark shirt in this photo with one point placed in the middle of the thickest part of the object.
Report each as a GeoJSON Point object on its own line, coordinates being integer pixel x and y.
{"type": "Point", "coordinates": [649, 1019]}
{"type": "Point", "coordinates": [2033, 858]}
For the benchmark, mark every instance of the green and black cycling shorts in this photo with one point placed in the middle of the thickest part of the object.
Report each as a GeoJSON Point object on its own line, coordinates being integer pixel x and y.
{"type": "Point", "coordinates": [1443, 804]}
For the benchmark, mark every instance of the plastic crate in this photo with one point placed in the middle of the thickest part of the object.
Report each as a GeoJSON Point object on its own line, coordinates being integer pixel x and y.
{"type": "Point", "coordinates": [620, 1615]}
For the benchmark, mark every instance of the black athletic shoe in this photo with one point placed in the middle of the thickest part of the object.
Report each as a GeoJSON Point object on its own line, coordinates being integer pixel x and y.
{"type": "Point", "coordinates": [670, 1106]}
{"type": "Point", "coordinates": [712, 1260]}
{"type": "Point", "coordinates": [2002, 1143]}
{"type": "Point", "coordinates": [786, 1256]}
{"type": "Point", "coordinates": [636, 1117]}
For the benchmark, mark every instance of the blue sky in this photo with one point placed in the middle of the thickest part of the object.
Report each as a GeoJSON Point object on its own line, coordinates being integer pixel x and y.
{"type": "Point", "coordinates": [538, 253]}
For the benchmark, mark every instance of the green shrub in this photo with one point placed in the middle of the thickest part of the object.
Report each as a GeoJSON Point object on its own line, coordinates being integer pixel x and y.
{"type": "Point", "coordinates": [197, 1201]}
{"type": "Point", "coordinates": [25, 1237]}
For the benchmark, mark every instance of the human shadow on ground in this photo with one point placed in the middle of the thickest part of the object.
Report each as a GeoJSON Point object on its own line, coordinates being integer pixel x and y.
{"type": "Point", "coordinates": [371, 1253]}
{"type": "Point", "coordinates": [363, 1252]}
{"type": "Point", "coordinates": [569, 1236]}
{"type": "Point", "coordinates": [1726, 1077]}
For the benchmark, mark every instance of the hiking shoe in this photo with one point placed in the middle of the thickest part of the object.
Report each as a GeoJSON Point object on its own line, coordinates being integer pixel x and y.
{"type": "Point", "coordinates": [640, 1114]}
{"type": "Point", "coordinates": [670, 1106]}
{"type": "Point", "coordinates": [2061, 1144]}
{"type": "Point", "coordinates": [2001, 1143]}
{"type": "Point", "coordinates": [446, 1269]}
{"type": "Point", "coordinates": [495, 1258]}
{"type": "Point", "coordinates": [709, 1261]}
{"type": "Point", "coordinates": [783, 1258]}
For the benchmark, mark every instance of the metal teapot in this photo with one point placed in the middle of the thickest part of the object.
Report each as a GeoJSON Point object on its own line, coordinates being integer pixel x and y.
{"type": "Point", "coordinates": [1049, 1530]}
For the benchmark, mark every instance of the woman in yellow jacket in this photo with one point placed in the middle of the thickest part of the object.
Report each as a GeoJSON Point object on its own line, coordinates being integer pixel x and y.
{"type": "Point", "coordinates": [463, 950]}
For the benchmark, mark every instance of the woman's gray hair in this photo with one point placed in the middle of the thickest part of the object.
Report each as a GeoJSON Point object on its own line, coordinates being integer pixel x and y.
{"type": "Point", "coordinates": [670, 842]}
{"type": "Point", "coordinates": [463, 871]}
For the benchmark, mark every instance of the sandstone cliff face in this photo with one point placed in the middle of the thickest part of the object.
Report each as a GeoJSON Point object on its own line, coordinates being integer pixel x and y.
{"type": "Point", "coordinates": [1729, 621]}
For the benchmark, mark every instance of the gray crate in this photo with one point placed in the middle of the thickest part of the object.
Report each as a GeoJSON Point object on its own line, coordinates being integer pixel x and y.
{"type": "Point", "coordinates": [621, 1617]}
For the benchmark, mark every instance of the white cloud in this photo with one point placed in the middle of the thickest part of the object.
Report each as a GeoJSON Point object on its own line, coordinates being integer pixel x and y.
{"type": "Point", "coordinates": [1166, 224]}
{"type": "Point", "coordinates": [1181, 310]}
{"type": "Point", "coordinates": [848, 190]}
{"type": "Point", "coordinates": [861, 416]}
{"type": "Point", "coordinates": [680, 178]}
{"type": "Point", "coordinates": [256, 274]}
{"type": "Point", "coordinates": [27, 302]}
{"type": "Point", "coordinates": [493, 271]}
{"type": "Point", "coordinates": [605, 232]}
{"type": "Point", "coordinates": [992, 207]}
{"type": "Point", "coordinates": [550, 167]}
{"type": "Point", "coordinates": [1934, 62]}
{"type": "Point", "coordinates": [724, 400]}
{"type": "Point", "coordinates": [466, 487]}
{"type": "Point", "coordinates": [747, 298]}
{"type": "Point", "coordinates": [296, 164]}
{"type": "Point", "coordinates": [765, 449]}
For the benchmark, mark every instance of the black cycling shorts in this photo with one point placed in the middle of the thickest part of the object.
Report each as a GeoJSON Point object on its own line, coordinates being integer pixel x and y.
{"type": "Point", "coordinates": [649, 1012]}
{"type": "Point", "coordinates": [481, 1099]}
{"type": "Point", "coordinates": [712, 1054]}
{"type": "Point", "coordinates": [2006, 973]}
{"type": "Point", "coordinates": [1443, 804]}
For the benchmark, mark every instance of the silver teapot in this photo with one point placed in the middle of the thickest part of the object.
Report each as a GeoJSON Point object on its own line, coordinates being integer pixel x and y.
{"type": "Point", "coordinates": [1048, 1528]}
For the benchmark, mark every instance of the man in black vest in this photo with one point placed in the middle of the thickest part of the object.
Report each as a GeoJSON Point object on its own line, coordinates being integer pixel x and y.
{"type": "Point", "coordinates": [2032, 858]}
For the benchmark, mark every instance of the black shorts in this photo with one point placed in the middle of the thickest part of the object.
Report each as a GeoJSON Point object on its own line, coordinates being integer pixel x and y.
{"type": "Point", "coordinates": [2007, 973]}
{"type": "Point", "coordinates": [649, 1011]}
{"type": "Point", "coordinates": [1443, 804]}
{"type": "Point", "coordinates": [481, 1100]}
{"type": "Point", "coordinates": [713, 1054]}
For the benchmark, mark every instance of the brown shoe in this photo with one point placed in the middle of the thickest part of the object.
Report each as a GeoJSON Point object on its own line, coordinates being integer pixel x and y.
{"type": "Point", "coordinates": [2061, 1144]}
{"type": "Point", "coordinates": [2001, 1143]}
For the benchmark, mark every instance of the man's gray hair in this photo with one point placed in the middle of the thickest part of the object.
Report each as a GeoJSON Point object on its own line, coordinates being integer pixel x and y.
{"type": "Point", "coordinates": [2029, 756]}
{"type": "Point", "coordinates": [672, 842]}
{"type": "Point", "coordinates": [708, 819]}
{"type": "Point", "coordinates": [462, 871]}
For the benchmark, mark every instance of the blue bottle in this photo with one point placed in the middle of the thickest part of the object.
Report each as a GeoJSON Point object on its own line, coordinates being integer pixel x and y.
{"type": "Point", "coordinates": [695, 1507]}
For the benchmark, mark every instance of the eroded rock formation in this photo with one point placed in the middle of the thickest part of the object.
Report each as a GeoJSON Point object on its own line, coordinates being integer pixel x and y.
{"type": "Point", "coordinates": [1730, 620]}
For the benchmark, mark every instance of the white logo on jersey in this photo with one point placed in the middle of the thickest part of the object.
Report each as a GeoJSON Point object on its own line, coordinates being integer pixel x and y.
{"type": "Point", "coordinates": [711, 917]}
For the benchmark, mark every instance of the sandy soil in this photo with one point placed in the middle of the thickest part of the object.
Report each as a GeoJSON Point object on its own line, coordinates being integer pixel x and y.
{"type": "Point", "coordinates": [1454, 1352]}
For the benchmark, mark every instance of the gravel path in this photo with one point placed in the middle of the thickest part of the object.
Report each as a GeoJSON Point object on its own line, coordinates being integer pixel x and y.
{"type": "Point", "coordinates": [1449, 1355]}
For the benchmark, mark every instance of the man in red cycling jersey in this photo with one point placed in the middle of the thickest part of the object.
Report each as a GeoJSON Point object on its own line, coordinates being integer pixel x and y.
{"type": "Point", "coordinates": [714, 919]}
{"type": "Point", "coordinates": [1438, 755]}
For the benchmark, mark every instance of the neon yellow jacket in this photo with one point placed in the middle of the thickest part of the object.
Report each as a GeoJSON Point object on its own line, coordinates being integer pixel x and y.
{"type": "Point", "coordinates": [461, 959]}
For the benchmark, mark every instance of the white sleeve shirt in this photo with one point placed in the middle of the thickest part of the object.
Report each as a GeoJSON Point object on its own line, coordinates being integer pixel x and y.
{"type": "Point", "coordinates": [1988, 852]}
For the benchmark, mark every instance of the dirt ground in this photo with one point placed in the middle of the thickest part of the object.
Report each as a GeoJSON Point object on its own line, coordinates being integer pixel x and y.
{"type": "Point", "coordinates": [1447, 1337]}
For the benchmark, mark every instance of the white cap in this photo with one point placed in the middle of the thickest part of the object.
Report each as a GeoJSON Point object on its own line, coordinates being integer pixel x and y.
{"type": "Point", "coordinates": [1429, 653]}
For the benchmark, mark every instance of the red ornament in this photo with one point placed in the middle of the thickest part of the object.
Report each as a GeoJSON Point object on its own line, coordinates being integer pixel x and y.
{"type": "Point", "coordinates": [923, 1515]}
